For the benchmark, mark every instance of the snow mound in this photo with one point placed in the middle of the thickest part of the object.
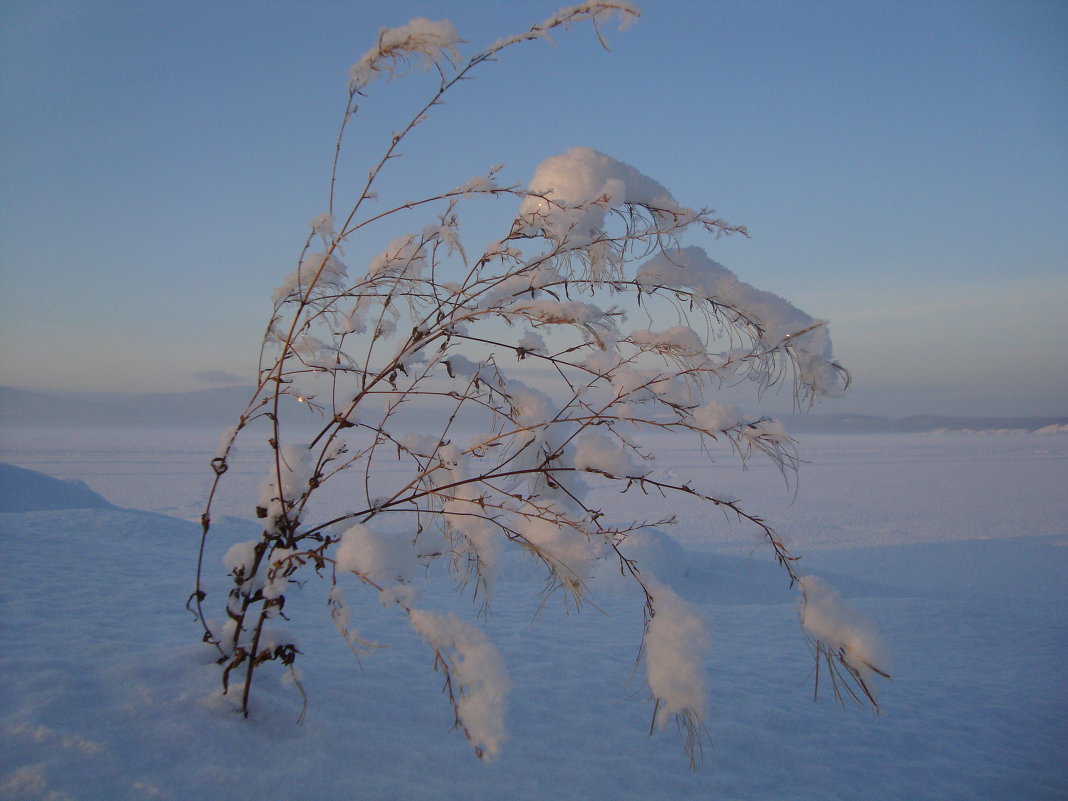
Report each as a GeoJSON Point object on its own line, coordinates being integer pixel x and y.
{"type": "Point", "coordinates": [24, 490]}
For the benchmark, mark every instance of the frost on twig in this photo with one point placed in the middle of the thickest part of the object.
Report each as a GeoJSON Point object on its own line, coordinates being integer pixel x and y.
{"type": "Point", "coordinates": [500, 386]}
{"type": "Point", "coordinates": [431, 44]}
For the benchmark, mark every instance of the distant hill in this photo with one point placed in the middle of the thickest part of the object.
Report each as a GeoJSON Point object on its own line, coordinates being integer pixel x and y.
{"type": "Point", "coordinates": [220, 407]}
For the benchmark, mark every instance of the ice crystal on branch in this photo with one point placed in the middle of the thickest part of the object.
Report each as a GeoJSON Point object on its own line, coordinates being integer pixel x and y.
{"type": "Point", "coordinates": [501, 387]}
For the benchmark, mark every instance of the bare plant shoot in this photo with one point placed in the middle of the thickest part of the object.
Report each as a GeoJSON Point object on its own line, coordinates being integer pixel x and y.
{"type": "Point", "coordinates": [589, 326]}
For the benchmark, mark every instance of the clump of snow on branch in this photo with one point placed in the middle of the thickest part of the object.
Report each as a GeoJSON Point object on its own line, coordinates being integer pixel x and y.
{"type": "Point", "coordinates": [572, 193]}
{"type": "Point", "coordinates": [478, 682]}
{"type": "Point", "coordinates": [778, 321]}
{"type": "Point", "coordinates": [286, 481]}
{"type": "Point", "coordinates": [570, 553]}
{"type": "Point", "coordinates": [322, 225]}
{"type": "Point", "coordinates": [845, 633]}
{"type": "Point", "coordinates": [382, 559]}
{"type": "Point", "coordinates": [240, 557]}
{"type": "Point", "coordinates": [404, 257]}
{"type": "Point", "coordinates": [599, 452]}
{"type": "Point", "coordinates": [675, 646]}
{"type": "Point", "coordinates": [421, 40]}
{"type": "Point", "coordinates": [480, 184]}
{"type": "Point", "coordinates": [322, 269]}
{"type": "Point", "coordinates": [715, 416]}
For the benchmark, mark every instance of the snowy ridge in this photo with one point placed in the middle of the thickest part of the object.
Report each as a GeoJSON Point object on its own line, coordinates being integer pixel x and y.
{"type": "Point", "coordinates": [29, 491]}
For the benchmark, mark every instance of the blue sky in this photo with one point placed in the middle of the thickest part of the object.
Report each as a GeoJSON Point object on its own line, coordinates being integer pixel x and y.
{"type": "Point", "coordinates": [902, 168]}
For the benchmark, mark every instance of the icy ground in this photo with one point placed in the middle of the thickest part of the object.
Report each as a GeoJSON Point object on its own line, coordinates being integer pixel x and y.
{"type": "Point", "coordinates": [957, 546]}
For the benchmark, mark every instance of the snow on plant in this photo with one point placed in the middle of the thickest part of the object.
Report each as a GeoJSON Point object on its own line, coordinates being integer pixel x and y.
{"type": "Point", "coordinates": [620, 331]}
{"type": "Point", "coordinates": [475, 676]}
{"type": "Point", "coordinates": [841, 637]}
{"type": "Point", "coordinates": [675, 644]}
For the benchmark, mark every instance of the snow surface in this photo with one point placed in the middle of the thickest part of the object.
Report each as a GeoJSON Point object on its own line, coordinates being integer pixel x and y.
{"type": "Point", "coordinates": [956, 547]}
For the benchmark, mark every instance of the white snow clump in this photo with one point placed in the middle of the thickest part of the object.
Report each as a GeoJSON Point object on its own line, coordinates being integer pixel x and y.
{"type": "Point", "coordinates": [843, 630]}
{"type": "Point", "coordinates": [597, 451]}
{"type": "Point", "coordinates": [675, 645]}
{"type": "Point", "coordinates": [240, 557]}
{"type": "Point", "coordinates": [580, 187]}
{"type": "Point", "coordinates": [780, 321]}
{"type": "Point", "coordinates": [385, 560]}
{"type": "Point", "coordinates": [571, 553]}
{"type": "Point", "coordinates": [715, 416]}
{"type": "Point", "coordinates": [295, 472]}
{"type": "Point", "coordinates": [420, 40]}
{"type": "Point", "coordinates": [478, 679]}
{"type": "Point", "coordinates": [403, 258]}
{"type": "Point", "coordinates": [321, 268]}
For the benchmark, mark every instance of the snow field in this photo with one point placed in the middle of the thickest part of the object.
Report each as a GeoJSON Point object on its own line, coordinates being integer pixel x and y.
{"type": "Point", "coordinates": [954, 546]}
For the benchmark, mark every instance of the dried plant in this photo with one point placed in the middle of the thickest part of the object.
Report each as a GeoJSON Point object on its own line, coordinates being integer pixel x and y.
{"type": "Point", "coordinates": [430, 326]}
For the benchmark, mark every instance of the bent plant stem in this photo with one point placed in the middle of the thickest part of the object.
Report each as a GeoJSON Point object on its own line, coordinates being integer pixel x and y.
{"type": "Point", "coordinates": [558, 289]}
{"type": "Point", "coordinates": [253, 661]}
